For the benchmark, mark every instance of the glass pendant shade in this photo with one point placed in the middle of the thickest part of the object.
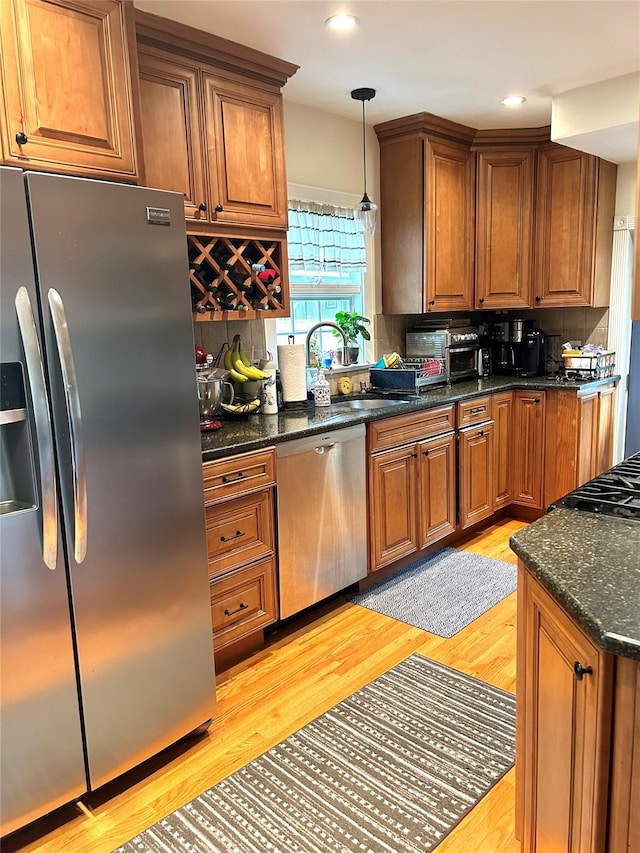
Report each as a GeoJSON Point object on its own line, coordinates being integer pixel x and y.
{"type": "Point", "coordinates": [366, 212]}
{"type": "Point", "coordinates": [366, 215]}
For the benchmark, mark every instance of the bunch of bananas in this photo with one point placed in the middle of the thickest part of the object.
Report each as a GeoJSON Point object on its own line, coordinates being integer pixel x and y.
{"type": "Point", "coordinates": [239, 367]}
{"type": "Point", "coordinates": [241, 408]}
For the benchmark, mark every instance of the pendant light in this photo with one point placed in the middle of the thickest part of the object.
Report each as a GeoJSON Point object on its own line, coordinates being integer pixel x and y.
{"type": "Point", "coordinates": [366, 213]}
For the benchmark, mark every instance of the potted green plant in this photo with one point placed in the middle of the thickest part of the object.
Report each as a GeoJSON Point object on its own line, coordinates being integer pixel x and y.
{"type": "Point", "coordinates": [353, 325]}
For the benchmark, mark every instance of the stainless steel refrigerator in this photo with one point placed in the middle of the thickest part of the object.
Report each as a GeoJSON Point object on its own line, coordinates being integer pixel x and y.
{"type": "Point", "coordinates": [106, 654]}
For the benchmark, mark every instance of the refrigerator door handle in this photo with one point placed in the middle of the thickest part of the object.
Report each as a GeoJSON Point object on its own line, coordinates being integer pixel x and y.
{"type": "Point", "coordinates": [42, 423]}
{"type": "Point", "coordinates": [74, 419]}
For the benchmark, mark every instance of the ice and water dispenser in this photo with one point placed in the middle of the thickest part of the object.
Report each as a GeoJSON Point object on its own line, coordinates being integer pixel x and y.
{"type": "Point", "coordinates": [17, 484]}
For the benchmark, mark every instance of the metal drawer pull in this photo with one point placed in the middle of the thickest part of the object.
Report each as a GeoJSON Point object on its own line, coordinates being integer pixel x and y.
{"type": "Point", "coordinates": [581, 670]}
{"type": "Point", "coordinates": [477, 410]}
{"type": "Point", "coordinates": [243, 606]}
{"type": "Point", "coordinates": [238, 476]}
{"type": "Point", "coordinates": [481, 432]}
{"type": "Point", "coordinates": [237, 535]}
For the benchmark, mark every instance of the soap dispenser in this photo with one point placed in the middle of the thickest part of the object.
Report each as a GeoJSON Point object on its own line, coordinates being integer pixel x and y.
{"type": "Point", "coordinates": [321, 391]}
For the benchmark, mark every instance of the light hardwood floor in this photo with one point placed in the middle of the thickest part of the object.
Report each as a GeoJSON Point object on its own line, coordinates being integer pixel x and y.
{"type": "Point", "coordinates": [305, 669]}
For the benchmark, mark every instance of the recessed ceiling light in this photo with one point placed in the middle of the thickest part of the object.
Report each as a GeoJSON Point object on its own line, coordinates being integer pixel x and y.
{"type": "Point", "coordinates": [342, 22]}
{"type": "Point", "coordinates": [513, 101]}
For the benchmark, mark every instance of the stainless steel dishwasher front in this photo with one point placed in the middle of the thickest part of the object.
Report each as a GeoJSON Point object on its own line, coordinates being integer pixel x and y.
{"type": "Point", "coordinates": [322, 516]}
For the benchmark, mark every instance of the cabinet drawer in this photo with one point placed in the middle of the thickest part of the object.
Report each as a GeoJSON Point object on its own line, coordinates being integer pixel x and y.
{"type": "Point", "coordinates": [392, 432]}
{"type": "Point", "coordinates": [226, 478]}
{"type": "Point", "coordinates": [239, 531]}
{"type": "Point", "coordinates": [243, 601]}
{"type": "Point", "coordinates": [473, 411]}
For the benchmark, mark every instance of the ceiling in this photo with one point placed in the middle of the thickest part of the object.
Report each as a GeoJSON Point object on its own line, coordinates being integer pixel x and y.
{"type": "Point", "coordinates": [453, 58]}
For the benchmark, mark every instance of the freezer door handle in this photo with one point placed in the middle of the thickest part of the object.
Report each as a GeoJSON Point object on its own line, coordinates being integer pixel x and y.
{"type": "Point", "coordinates": [74, 419]}
{"type": "Point", "coordinates": [42, 422]}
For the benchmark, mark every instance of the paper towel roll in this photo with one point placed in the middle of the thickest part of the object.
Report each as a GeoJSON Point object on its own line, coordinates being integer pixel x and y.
{"type": "Point", "coordinates": [291, 360]}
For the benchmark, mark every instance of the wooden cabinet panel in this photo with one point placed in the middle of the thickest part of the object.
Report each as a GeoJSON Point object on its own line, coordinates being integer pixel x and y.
{"type": "Point", "coordinates": [390, 432]}
{"type": "Point", "coordinates": [606, 420]}
{"type": "Point", "coordinates": [475, 455]}
{"type": "Point", "coordinates": [564, 728]}
{"type": "Point", "coordinates": [237, 475]}
{"type": "Point", "coordinates": [504, 228]}
{"type": "Point", "coordinates": [473, 411]}
{"type": "Point", "coordinates": [449, 193]}
{"type": "Point", "coordinates": [67, 87]}
{"type": "Point", "coordinates": [529, 429]}
{"type": "Point", "coordinates": [587, 438]}
{"type": "Point", "coordinates": [437, 488]}
{"type": "Point", "coordinates": [392, 505]}
{"type": "Point", "coordinates": [246, 153]}
{"type": "Point", "coordinates": [172, 140]}
{"type": "Point", "coordinates": [503, 444]}
{"type": "Point", "coordinates": [239, 530]}
{"type": "Point", "coordinates": [574, 230]}
{"type": "Point", "coordinates": [243, 601]}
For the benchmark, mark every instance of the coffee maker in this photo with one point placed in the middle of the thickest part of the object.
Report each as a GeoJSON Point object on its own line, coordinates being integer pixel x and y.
{"type": "Point", "coordinates": [517, 349]}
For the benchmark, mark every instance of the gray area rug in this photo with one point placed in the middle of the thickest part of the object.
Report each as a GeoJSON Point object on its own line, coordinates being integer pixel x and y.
{"type": "Point", "coordinates": [391, 769]}
{"type": "Point", "coordinates": [443, 592]}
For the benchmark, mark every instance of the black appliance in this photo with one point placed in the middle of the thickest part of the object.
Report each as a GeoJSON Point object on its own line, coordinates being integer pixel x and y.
{"type": "Point", "coordinates": [517, 349]}
{"type": "Point", "coordinates": [484, 361]}
{"type": "Point", "coordinates": [615, 493]}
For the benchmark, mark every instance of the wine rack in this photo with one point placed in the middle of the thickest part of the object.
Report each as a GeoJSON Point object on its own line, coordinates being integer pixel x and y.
{"type": "Point", "coordinates": [238, 277]}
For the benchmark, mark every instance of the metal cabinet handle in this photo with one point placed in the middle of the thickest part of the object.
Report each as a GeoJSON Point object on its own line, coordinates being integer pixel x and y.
{"type": "Point", "coordinates": [42, 422]}
{"type": "Point", "coordinates": [538, 298]}
{"type": "Point", "coordinates": [425, 452]}
{"type": "Point", "coordinates": [536, 400]}
{"type": "Point", "coordinates": [242, 606]}
{"type": "Point", "coordinates": [74, 419]}
{"type": "Point", "coordinates": [238, 476]}
{"type": "Point", "coordinates": [433, 302]}
{"type": "Point", "coordinates": [236, 535]}
{"type": "Point", "coordinates": [202, 206]}
{"type": "Point", "coordinates": [21, 137]}
{"type": "Point", "coordinates": [580, 670]}
{"type": "Point", "coordinates": [477, 410]}
{"type": "Point", "coordinates": [481, 432]}
{"type": "Point", "coordinates": [218, 208]}
{"type": "Point", "coordinates": [481, 300]}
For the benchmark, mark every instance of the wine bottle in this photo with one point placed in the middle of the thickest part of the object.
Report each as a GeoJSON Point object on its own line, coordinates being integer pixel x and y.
{"type": "Point", "coordinates": [207, 279]}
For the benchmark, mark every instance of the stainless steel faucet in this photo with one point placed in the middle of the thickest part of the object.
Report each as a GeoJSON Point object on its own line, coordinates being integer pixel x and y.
{"type": "Point", "coordinates": [315, 329]}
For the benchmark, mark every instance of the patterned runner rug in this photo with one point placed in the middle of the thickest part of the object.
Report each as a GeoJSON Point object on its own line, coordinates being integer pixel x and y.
{"type": "Point", "coordinates": [443, 592]}
{"type": "Point", "coordinates": [391, 769]}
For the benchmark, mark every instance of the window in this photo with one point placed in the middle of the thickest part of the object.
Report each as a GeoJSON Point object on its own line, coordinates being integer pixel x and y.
{"type": "Point", "coordinates": [327, 266]}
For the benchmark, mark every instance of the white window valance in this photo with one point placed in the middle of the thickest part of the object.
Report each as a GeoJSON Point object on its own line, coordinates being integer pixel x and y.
{"type": "Point", "coordinates": [324, 237]}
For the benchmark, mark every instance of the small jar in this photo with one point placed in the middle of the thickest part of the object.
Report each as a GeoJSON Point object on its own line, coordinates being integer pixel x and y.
{"type": "Point", "coordinates": [321, 391]}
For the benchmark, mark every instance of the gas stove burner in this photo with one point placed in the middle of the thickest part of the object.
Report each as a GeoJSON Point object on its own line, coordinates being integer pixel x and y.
{"type": "Point", "coordinates": [614, 493]}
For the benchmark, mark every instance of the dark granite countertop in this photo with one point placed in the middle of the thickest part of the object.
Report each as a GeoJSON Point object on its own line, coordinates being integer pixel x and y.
{"type": "Point", "coordinates": [590, 564]}
{"type": "Point", "coordinates": [240, 436]}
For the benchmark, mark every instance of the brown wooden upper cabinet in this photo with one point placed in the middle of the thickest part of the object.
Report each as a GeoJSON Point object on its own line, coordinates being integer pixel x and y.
{"type": "Point", "coordinates": [212, 124]}
{"type": "Point", "coordinates": [427, 200]}
{"type": "Point", "coordinates": [575, 201]}
{"type": "Point", "coordinates": [67, 95]}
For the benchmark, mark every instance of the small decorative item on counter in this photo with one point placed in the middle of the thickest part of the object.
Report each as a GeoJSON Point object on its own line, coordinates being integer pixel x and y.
{"type": "Point", "coordinates": [269, 395]}
{"type": "Point", "coordinates": [345, 385]}
{"type": "Point", "coordinates": [321, 391]}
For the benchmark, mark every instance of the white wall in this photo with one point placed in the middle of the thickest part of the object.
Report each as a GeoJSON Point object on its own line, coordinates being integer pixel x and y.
{"type": "Point", "coordinates": [626, 189]}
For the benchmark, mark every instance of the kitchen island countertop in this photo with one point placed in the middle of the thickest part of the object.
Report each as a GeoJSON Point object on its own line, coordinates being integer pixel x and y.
{"type": "Point", "coordinates": [256, 431]}
{"type": "Point", "coordinates": [590, 564]}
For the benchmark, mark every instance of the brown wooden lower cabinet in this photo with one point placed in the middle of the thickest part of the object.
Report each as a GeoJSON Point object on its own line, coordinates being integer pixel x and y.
{"type": "Point", "coordinates": [577, 735]}
{"type": "Point", "coordinates": [475, 473]}
{"type": "Point", "coordinates": [606, 416]}
{"type": "Point", "coordinates": [243, 601]}
{"type": "Point", "coordinates": [393, 519]}
{"type": "Point", "coordinates": [503, 443]}
{"type": "Point", "coordinates": [528, 449]}
{"type": "Point", "coordinates": [437, 488]}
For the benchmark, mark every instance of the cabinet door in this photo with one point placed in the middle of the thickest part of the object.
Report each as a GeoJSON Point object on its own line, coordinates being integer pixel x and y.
{"type": "Point", "coordinates": [562, 737]}
{"type": "Point", "coordinates": [172, 143]}
{"type": "Point", "coordinates": [67, 87]}
{"type": "Point", "coordinates": [437, 488]}
{"type": "Point", "coordinates": [504, 217]}
{"type": "Point", "coordinates": [475, 466]}
{"type": "Point", "coordinates": [574, 209]}
{"type": "Point", "coordinates": [502, 413]}
{"type": "Point", "coordinates": [245, 148]}
{"type": "Point", "coordinates": [449, 194]}
{"type": "Point", "coordinates": [606, 411]}
{"type": "Point", "coordinates": [529, 426]}
{"type": "Point", "coordinates": [587, 443]}
{"type": "Point", "coordinates": [392, 505]}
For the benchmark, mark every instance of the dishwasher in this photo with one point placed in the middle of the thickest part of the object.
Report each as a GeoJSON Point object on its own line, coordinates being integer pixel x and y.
{"type": "Point", "coordinates": [322, 516]}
